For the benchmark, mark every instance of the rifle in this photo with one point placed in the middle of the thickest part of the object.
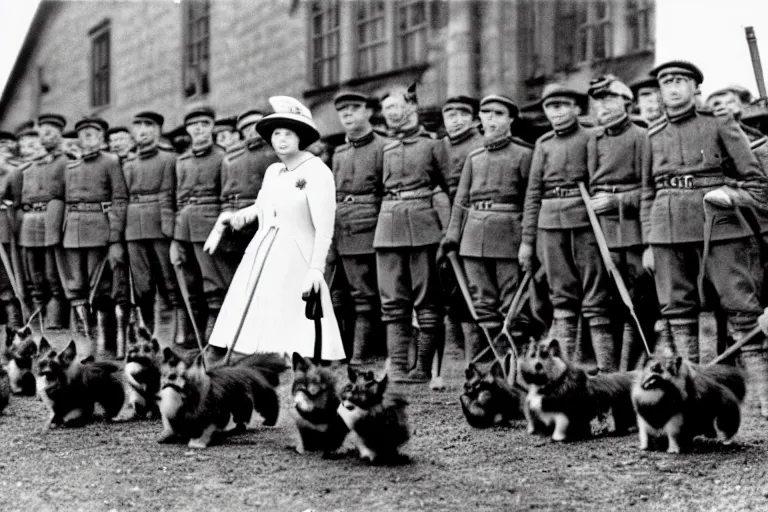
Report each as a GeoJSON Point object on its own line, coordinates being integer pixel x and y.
{"type": "Point", "coordinates": [757, 66]}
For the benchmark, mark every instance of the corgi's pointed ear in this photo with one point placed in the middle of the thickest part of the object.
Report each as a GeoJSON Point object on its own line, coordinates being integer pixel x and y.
{"type": "Point", "coordinates": [69, 353]}
{"type": "Point", "coordinates": [554, 348]}
{"type": "Point", "coordinates": [299, 363]}
{"type": "Point", "coordinates": [383, 383]}
{"type": "Point", "coordinates": [352, 374]}
{"type": "Point", "coordinates": [155, 345]}
{"type": "Point", "coordinates": [44, 345]}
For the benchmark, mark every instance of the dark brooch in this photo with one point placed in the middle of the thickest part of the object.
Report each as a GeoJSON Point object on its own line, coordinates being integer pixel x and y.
{"type": "Point", "coordinates": [301, 183]}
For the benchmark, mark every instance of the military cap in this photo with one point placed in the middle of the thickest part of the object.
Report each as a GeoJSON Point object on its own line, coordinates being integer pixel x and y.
{"type": "Point", "coordinates": [70, 134]}
{"type": "Point", "coordinates": [117, 129]}
{"type": "Point", "coordinates": [149, 116]}
{"type": "Point", "coordinates": [742, 92]}
{"type": "Point", "coordinates": [249, 117]}
{"type": "Point", "coordinates": [560, 91]}
{"type": "Point", "coordinates": [92, 122]}
{"type": "Point", "coordinates": [225, 124]}
{"type": "Point", "coordinates": [54, 119]}
{"type": "Point", "coordinates": [462, 102]}
{"type": "Point", "coordinates": [609, 84]}
{"type": "Point", "coordinates": [354, 96]}
{"type": "Point", "coordinates": [27, 128]}
{"type": "Point", "coordinates": [504, 100]}
{"type": "Point", "coordinates": [678, 67]}
{"type": "Point", "coordinates": [201, 111]}
{"type": "Point", "coordinates": [646, 82]}
{"type": "Point", "coordinates": [7, 136]}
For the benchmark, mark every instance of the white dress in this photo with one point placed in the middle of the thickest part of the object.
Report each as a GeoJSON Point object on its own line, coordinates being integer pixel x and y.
{"type": "Point", "coordinates": [296, 211]}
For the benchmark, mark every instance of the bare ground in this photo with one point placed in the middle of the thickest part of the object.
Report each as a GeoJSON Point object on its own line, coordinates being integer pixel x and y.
{"type": "Point", "coordinates": [453, 467]}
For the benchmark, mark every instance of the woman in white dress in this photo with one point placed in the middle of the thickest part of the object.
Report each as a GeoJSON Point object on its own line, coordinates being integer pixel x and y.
{"type": "Point", "coordinates": [264, 310]}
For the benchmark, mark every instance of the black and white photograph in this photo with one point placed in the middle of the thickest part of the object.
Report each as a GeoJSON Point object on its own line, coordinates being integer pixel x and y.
{"type": "Point", "coordinates": [383, 255]}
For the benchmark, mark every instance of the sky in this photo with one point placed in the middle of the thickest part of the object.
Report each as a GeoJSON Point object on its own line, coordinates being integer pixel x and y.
{"type": "Point", "coordinates": [15, 16]}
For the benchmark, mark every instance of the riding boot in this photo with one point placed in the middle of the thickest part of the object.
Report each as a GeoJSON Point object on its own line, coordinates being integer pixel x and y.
{"type": "Point", "coordinates": [473, 344]}
{"type": "Point", "coordinates": [54, 314]}
{"type": "Point", "coordinates": [82, 316]}
{"type": "Point", "coordinates": [564, 330]}
{"type": "Point", "coordinates": [101, 334]}
{"type": "Point", "coordinates": [121, 326]}
{"type": "Point", "coordinates": [755, 359]}
{"type": "Point", "coordinates": [182, 326]}
{"type": "Point", "coordinates": [362, 348]}
{"type": "Point", "coordinates": [13, 313]}
{"type": "Point", "coordinates": [425, 351]}
{"type": "Point", "coordinates": [398, 339]}
{"type": "Point", "coordinates": [685, 336]}
{"type": "Point", "coordinates": [603, 343]}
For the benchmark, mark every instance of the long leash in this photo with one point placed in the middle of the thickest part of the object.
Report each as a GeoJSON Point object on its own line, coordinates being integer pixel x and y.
{"type": "Point", "coordinates": [751, 335]}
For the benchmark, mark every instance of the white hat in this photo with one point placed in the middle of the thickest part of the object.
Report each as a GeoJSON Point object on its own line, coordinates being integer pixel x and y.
{"type": "Point", "coordinates": [292, 114]}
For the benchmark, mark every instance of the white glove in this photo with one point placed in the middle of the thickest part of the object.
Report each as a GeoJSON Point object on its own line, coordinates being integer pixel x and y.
{"type": "Point", "coordinates": [603, 202]}
{"type": "Point", "coordinates": [312, 281]}
{"type": "Point", "coordinates": [242, 218]}
{"type": "Point", "coordinates": [719, 197]}
{"type": "Point", "coordinates": [648, 262]}
{"type": "Point", "coordinates": [214, 237]}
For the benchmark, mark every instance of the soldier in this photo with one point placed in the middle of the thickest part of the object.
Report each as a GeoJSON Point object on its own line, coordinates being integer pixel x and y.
{"type": "Point", "coordinates": [10, 169]}
{"type": "Point", "coordinates": [357, 169]}
{"type": "Point", "coordinates": [40, 197]}
{"type": "Point", "coordinates": [120, 141]}
{"type": "Point", "coordinates": [150, 176]}
{"type": "Point", "coordinates": [28, 138]}
{"type": "Point", "coordinates": [225, 133]}
{"type": "Point", "coordinates": [555, 223]}
{"type": "Point", "coordinates": [7, 145]}
{"type": "Point", "coordinates": [94, 222]}
{"type": "Point", "coordinates": [646, 92]}
{"type": "Point", "coordinates": [616, 155]}
{"type": "Point", "coordinates": [198, 191]}
{"type": "Point", "coordinates": [487, 213]}
{"type": "Point", "coordinates": [459, 116]}
{"type": "Point", "coordinates": [407, 235]}
{"type": "Point", "coordinates": [690, 221]}
{"type": "Point", "coordinates": [242, 172]}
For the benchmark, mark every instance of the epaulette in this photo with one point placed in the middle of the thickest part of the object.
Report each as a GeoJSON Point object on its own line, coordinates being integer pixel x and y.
{"type": "Point", "coordinates": [521, 142]}
{"type": "Point", "coordinates": [656, 128]}
{"type": "Point", "coordinates": [235, 153]}
{"type": "Point", "coordinates": [391, 145]}
{"type": "Point", "coordinates": [74, 163]}
{"type": "Point", "coordinates": [546, 136]}
{"type": "Point", "coordinates": [475, 152]}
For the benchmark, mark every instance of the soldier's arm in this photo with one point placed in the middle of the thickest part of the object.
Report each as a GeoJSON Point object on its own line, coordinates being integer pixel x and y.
{"type": "Point", "coordinates": [532, 205]}
{"type": "Point", "coordinates": [460, 202]}
{"type": "Point", "coordinates": [525, 168]}
{"type": "Point", "coordinates": [736, 145]}
{"type": "Point", "coordinates": [119, 201]}
{"type": "Point", "coordinates": [168, 197]}
{"type": "Point", "coordinates": [648, 186]}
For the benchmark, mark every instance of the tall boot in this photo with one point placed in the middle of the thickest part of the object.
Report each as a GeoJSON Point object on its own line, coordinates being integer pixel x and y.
{"type": "Point", "coordinates": [182, 327]}
{"type": "Point", "coordinates": [121, 326]}
{"type": "Point", "coordinates": [685, 336]}
{"type": "Point", "coordinates": [101, 334]}
{"type": "Point", "coordinates": [362, 348]}
{"type": "Point", "coordinates": [603, 343]}
{"type": "Point", "coordinates": [54, 313]}
{"type": "Point", "coordinates": [81, 312]}
{"type": "Point", "coordinates": [755, 359]}
{"type": "Point", "coordinates": [564, 330]}
{"type": "Point", "coordinates": [398, 339]}
{"type": "Point", "coordinates": [454, 335]}
{"type": "Point", "coordinates": [164, 326]}
{"type": "Point", "coordinates": [425, 352]}
{"type": "Point", "coordinates": [13, 313]}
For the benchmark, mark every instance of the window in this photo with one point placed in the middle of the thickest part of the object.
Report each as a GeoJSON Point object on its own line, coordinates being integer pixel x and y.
{"type": "Point", "coordinates": [325, 42]}
{"type": "Point", "coordinates": [570, 37]}
{"type": "Point", "coordinates": [600, 31]}
{"type": "Point", "coordinates": [100, 66]}
{"type": "Point", "coordinates": [528, 50]}
{"type": "Point", "coordinates": [411, 31]}
{"type": "Point", "coordinates": [639, 22]}
{"type": "Point", "coordinates": [372, 40]}
{"type": "Point", "coordinates": [196, 47]}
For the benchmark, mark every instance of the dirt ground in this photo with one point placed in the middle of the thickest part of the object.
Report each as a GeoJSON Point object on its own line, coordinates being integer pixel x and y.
{"type": "Point", "coordinates": [106, 467]}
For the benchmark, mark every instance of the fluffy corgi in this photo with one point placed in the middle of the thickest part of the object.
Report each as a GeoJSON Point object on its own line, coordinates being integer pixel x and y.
{"type": "Point", "coordinates": [490, 399]}
{"type": "Point", "coordinates": [20, 351]}
{"type": "Point", "coordinates": [142, 374]}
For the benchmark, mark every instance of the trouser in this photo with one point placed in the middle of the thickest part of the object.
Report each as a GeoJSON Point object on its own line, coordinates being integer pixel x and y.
{"type": "Point", "coordinates": [209, 273]}
{"type": "Point", "coordinates": [360, 270]}
{"type": "Point", "coordinates": [41, 268]}
{"type": "Point", "coordinates": [81, 266]}
{"type": "Point", "coordinates": [577, 278]}
{"type": "Point", "coordinates": [492, 284]}
{"type": "Point", "coordinates": [408, 281]}
{"type": "Point", "coordinates": [151, 270]}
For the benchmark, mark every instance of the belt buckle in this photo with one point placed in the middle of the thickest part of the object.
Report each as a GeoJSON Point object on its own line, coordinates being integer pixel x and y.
{"type": "Point", "coordinates": [688, 181]}
{"type": "Point", "coordinates": [673, 182]}
{"type": "Point", "coordinates": [348, 199]}
{"type": "Point", "coordinates": [487, 205]}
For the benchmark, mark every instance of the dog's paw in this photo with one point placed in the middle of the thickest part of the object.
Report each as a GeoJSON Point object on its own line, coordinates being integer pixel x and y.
{"type": "Point", "coordinates": [197, 444]}
{"type": "Point", "coordinates": [437, 384]}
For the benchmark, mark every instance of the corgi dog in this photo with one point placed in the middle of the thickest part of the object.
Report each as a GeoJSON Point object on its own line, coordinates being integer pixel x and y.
{"type": "Point", "coordinates": [316, 403]}
{"type": "Point", "coordinates": [71, 387]}
{"type": "Point", "coordinates": [377, 419]}
{"type": "Point", "coordinates": [20, 351]}
{"type": "Point", "coordinates": [195, 403]}
{"type": "Point", "coordinates": [563, 399]}
{"type": "Point", "coordinates": [679, 400]}
{"type": "Point", "coordinates": [489, 398]}
{"type": "Point", "coordinates": [142, 374]}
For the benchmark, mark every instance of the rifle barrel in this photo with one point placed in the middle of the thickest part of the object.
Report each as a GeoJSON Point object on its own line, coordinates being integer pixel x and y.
{"type": "Point", "coordinates": [757, 65]}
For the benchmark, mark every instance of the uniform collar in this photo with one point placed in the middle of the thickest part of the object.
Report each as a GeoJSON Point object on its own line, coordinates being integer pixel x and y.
{"type": "Point", "coordinates": [255, 144]}
{"type": "Point", "coordinates": [618, 126]}
{"type": "Point", "coordinates": [202, 151]}
{"type": "Point", "coordinates": [567, 130]}
{"type": "Point", "coordinates": [361, 141]}
{"type": "Point", "coordinates": [91, 155]}
{"type": "Point", "coordinates": [682, 116]}
{"type": "Point", "coordinates": [463, 136]}
{"type": "Point", "coordinates": [410, 133]}
{"type": "Point", "coordinates": [147, 151]}
{"type": "Point", "coordinates": [498, 143]}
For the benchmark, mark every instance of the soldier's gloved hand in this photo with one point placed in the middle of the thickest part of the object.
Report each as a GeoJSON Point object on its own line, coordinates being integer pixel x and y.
{"type": "Point", "coordinates": [762, 321]}
{"type": "Point", "coordinates": [312, 281]}
{"type": "Point", "coordinates": [447, 245]}
{"type": "Point", "coordinates": [719, 197]}
{"type": "Point", "coordinates": [648, 263]}
{"type": "Point", "coordinates": [178, 255]}
{"type": "Point", "coordinates": [242, 218]}
{"type": "Point", "coordinates": [116, 254]}
{"type": "Point", "coordinates": [604, 202]}
{"type": "Point", "coordinates": [525, 257]}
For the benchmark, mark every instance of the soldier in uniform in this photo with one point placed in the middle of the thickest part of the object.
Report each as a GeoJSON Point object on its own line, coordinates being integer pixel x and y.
{"type": "Point", "coordinates": [7, 145]}
{"type": "Point", "coordinates": [225, 133]}
{"type": "Point", "coordinates": [10, 169]}
{"type": "Point", "coordinates": [150, 175]}
{"type": "Point", "coordinates": [556, 226]}
{"type": "Point", "coordinates": [407, 235]}
{"type": "Point", "coordinates": [40, 198]}
{"type": "Point", "coordinates": [198, 205]}
{"type": "Point", "coordinates": [94, 222]}
{"type": "Point", "coordinates": [28, 138]}
{"type": "Point", "coordinates": [357, 169]}
{"type": "Point", "coordinates": [690, 220]}
{"type": "Point", "coordinates": [617, 152]}
{"type": "Point", "coordinates": [485, 224]}
{"type": "Point", "coordinates": [646, 92]}
{"type": "Point", "coordinates": [242, 172]}
{"type": "Point", "coordinates": [120, 141]}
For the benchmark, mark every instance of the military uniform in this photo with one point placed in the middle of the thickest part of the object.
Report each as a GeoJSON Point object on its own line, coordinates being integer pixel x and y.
{"type": "Point", "coordinates": [8, 225]}
{"type": "Point", "coordinates": [406, 238]}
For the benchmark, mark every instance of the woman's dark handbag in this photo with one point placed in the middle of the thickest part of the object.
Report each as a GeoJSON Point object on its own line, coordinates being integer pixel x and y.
{"type": "Point", "coordinates": [314, 311]}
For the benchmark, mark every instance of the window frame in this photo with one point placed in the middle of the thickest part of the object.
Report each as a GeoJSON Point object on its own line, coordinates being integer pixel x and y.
{"type": "Point", "coordinates": [100, 82]}
{"type": "Point", "coordinates": [370, 47]}
{"type": "Point", "coordinates": [399, 34]}
{"type": "Point", "coordinates": [635, 10]}
{"type": "Point", "coordinates": [196, 49]}
{"type": "Point", "coordinates": [329, 37]}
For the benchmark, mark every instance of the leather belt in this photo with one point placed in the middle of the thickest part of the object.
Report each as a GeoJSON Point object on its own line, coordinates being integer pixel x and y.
{"type": "Point", "coordinates": [145, 198]}
{"type": "Point", "coordinates": [616, 188]}
{"type": "Point", "coordinates": [357, 198]}
{"type": "Point", "coordinates": [237, 197]}
{"type": "Point", "coordinates": [198, 200]}
{"type": "Point", "coordinates": [103, 207]}
{"type": "Point", "coordinates": [417, 193]}
{"type": "Point", "coordinates": [35, 207]}
{"type": "Point", "coordinates": [689, 181]}
{"type": "Point", "coordinates": [561, 192]}
{"type": "Point", "coordinates": [495, 207]}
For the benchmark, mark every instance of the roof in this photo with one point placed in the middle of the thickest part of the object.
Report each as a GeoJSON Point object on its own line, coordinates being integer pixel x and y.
{"type": "Point", "coordinates": [44, 11]}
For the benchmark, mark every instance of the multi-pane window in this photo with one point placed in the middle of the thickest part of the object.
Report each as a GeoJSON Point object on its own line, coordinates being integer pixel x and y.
{"type": "Point", "coordinates": [325, 42]}
{"type": "Point", "coordinates": [197, 47]}
{"type": "Point", "coordinates": [600, 30]}
{"type": "Point", "coordinates": [100, 67]}
{"type": "Point", "coordinates": [411, 27]}
{"type": "Point", "coordinates": [372, 38]}
{"type": "Point", "coordinates": [640, 23]}
{"type": "Point", "coordinates": [570, 37]}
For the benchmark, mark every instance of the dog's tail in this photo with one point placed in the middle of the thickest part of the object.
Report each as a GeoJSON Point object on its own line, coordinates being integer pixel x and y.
{"type": "Point", "coordinates": [729, 376]}
{"type": "Point", "coordinates": [269, 364]}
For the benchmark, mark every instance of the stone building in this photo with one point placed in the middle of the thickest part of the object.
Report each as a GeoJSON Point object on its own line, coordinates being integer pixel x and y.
{"type": "Point", "coordinates": [113, 58]}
